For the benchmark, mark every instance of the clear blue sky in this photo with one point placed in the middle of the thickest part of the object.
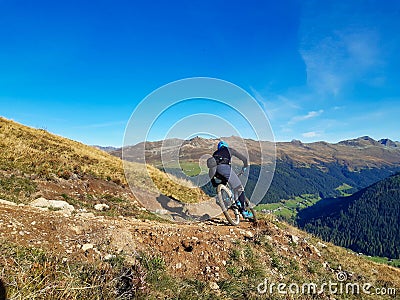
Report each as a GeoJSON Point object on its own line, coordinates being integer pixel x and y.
{"type": "Point", "coordinates": [322, 70]}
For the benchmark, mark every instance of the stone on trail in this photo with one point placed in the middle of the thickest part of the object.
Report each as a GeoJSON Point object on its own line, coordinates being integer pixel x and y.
{"type": "Point", "coordinates": [53, 204]}
{"type": "Point", "coordinates": [101, 207]}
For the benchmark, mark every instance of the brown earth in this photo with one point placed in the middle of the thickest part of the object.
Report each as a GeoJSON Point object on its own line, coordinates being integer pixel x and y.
{"type": "Point", "coordinates": [187, 248]}
{"type": "Point", "coordinates": [197, 250]}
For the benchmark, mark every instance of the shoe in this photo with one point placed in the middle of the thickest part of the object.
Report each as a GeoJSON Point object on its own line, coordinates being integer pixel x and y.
{"type": "Point", "coordinates": [247, 214]}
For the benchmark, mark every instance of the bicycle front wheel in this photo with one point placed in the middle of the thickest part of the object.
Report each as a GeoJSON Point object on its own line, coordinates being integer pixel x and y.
{"type": "Point", "coordinates": [225, 201]}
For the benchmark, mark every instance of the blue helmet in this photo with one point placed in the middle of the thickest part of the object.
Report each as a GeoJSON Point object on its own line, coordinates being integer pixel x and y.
{"type": "Point", "coordinates": [222, 144]}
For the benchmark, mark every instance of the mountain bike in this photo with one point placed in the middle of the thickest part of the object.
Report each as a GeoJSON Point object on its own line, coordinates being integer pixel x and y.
{"type": "Point", "coordinates": [228, 201]}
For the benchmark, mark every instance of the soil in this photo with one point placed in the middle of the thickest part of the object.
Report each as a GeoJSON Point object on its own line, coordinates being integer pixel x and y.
{"type": "Point", "coordinates": [188, 249]}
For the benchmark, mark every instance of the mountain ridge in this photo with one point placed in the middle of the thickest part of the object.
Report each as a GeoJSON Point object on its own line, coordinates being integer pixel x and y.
{"type": "Point", "coordinates": [362, 152]}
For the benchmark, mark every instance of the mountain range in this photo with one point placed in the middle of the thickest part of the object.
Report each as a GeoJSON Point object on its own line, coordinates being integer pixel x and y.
{"type": "Point", "coordinates": [301, 168]}
{"type": "Point", "coordinates": [362, 152]}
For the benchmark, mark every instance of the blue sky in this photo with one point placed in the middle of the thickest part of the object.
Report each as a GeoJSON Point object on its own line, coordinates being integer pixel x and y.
{"type": "Point", "coordinates": [321, 70]}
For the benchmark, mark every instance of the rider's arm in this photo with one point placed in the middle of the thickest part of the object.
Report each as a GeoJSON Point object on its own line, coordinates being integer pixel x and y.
{"type": "Point", "coordinates": [240, 156]}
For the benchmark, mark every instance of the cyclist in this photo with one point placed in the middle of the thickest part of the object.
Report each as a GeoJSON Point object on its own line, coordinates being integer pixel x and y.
{"type": "Point", "coordinates": [220, 166]}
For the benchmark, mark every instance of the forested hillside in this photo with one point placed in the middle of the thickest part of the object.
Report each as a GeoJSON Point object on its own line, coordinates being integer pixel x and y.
{"type": "Point", "coordinates": [290, 181]}
{"type": "Point", "coordinates": [367, 222]}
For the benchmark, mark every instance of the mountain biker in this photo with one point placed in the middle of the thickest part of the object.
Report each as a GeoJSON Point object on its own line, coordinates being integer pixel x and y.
{"type": "Point", "coordinates": [221, 166]}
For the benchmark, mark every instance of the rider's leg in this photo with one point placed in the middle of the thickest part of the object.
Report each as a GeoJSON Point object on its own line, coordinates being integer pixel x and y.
{"type": "Point", "coordinates": [242, 197]}
{"type": "Point", "coordinates": [234, 182]}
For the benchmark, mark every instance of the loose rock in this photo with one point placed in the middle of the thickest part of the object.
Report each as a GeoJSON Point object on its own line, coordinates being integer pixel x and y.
{"type": "Point", "coordinates": [295, 239]}
{"type": "Point", "coordinates": [214, 286]}
{"type": "Point", "coordinates": [101, 207]}
{"type": "Point", "coordinates": [7, 202]}
{"type": "Point", "coordinates": [87, 247]}
{"type": "Point", "coordinates": [53, 204]}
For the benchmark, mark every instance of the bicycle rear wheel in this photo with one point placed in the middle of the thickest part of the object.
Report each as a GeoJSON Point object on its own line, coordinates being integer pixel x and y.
{"type": "Point", "coordinates": [225, 201]}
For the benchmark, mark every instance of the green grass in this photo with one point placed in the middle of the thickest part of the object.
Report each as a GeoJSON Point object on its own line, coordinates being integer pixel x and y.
{"type": "Point", "coordinates": [269, 206]}
{"type": "Point", "coordinates": [292, 204]}
{"type": "Point", "coordinates": [288, 209]}
{"type": "Point", "coordinates": [190, 168]}
{"type": "Point", "coordinates": [285, 213]}
{"type": "Point", "coordinates": [343, 188]}
{"type": "Point", "coordinates": [30, 151]}
{"type": "Point", "coordinates": [16, 189]}
{"type": "Point", "coordinates": [31, 273]}
{"type": "Point", "coordinates": [385, 260]}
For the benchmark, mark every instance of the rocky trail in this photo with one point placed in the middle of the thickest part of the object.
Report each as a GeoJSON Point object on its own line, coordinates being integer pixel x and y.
{"type": "Point", "coordinates": [197, 249]}
{"type": "Point", "coordinates": [190, 249]}
{"type": "Point", "coordinates": [203, 251]}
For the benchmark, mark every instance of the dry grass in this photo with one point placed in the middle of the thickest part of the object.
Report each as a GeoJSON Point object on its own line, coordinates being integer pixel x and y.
{"type": "Point", "coordinates": [176, 188]}
{"type": "Point", "coordinates": [38, 152]}
{"type": "Point", "coordinates": [30, 273]}
{"type": "Point", "coordinates": [35, 152]}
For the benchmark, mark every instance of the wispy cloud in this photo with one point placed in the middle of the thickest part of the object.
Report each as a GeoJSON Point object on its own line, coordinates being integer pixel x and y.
{"type": "Point", "coordinates": [350, 58]}
{"type": "Point", "coordinates": [311, 134]}
{"type": "Point", "coordinates": [309, 115]}
{"type": "Point", "coordinates": [342, 58]}
{"type": "Point", "coordinates": [277, 107]}
{"type": "Point", "coordinates": [343, 50]}
{"type": "Point", "coordinates": [260, 100]}
{"type": "Point", "coordinates": [338, 107]}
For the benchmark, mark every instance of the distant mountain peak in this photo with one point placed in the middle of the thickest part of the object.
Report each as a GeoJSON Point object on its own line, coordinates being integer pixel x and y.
{"type": "Point", "coordinates": [366, 138]}
{"type": "Point", "coordinates": [296, 142]}
{"type": "Point", "coordinates": [361, 141]}
{"type": "Point", "coordinates": [388, 143]}
{"type": "Point", "coordinates": [105, 148]}
{"type": "Point", "coordinates": [197, 138]}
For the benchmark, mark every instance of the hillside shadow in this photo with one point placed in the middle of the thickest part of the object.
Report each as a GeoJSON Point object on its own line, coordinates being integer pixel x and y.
{"type": "Point", "coordinates": [180, 211]}
{"type": "Point", "coordinates": [327, 207]}
{"type": "Point", "coordinates": [3, 293]}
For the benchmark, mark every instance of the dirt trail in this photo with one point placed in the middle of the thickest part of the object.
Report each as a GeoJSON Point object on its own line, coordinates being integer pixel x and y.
{"type": "Point", "coordinates": [200, 251]}
{"type": "Point", "coordinates": [188, 249]}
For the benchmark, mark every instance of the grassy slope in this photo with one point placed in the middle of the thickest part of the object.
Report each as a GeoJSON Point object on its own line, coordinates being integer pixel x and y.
{"type": "Point", "coordinates": [34, 153]}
